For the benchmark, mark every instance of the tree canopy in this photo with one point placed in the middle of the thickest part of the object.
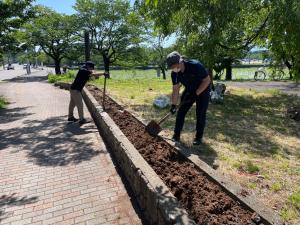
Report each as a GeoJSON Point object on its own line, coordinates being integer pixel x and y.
{"type": "Point", "coordinates": [114, 27]}
{"type": "Point", "coordinates": [12, 16]}
{"type": "Point", "coordinates": [212, 30]}
{"type": "Point", "coordinates": [54, 33]}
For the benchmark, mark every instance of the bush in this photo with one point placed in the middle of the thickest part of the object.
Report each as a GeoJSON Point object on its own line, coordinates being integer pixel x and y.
{"type": "Point", "coordinates": [276, 187]}
{"type": "Point", "coordinates": [3, 103]}
{"type": "Point", "coordinates": [52, 78]}
{"type": "Point", "coordinates": [294, 199]}
{"type": "Point", "coordinates": [248, 167]}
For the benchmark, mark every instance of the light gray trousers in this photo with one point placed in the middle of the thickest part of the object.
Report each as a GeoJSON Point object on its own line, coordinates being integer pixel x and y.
{"type": "Point", "coordinates": [76, 100]}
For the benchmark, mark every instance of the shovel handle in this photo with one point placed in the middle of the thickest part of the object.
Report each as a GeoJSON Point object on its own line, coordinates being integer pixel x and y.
{"type": "Point", "coordinates": [164, 118]}
{"type": "Point", "coordinates": [104, 93]}
{"type": "Point", "coordinates": [169, 114]}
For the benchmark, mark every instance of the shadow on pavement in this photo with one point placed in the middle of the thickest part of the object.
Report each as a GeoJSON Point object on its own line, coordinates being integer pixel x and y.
{"type": "Point", "coordinates": [51, 142]}
{"type": "Point", "coordinates": [26, 79]}
{"type": "Point", "coordinates": [10, 115]}
{"type": "Point", "coordinates": [7, 201]}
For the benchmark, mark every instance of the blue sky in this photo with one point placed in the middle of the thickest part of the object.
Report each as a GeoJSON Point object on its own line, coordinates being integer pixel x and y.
{"type": "Point", "coordinates": [61, 6]}
{"type": "Point", "coordinates": [65, 6]}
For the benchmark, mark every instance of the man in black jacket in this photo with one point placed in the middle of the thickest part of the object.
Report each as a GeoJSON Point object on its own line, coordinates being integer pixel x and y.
{"type": "Point", "coordinates": [81, 78]}
{"type": "Point", "coordinates": [194, 77]}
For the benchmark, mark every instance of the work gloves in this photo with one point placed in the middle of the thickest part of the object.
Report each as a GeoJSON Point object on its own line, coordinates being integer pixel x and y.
{"type": "Point", "coordinates": [188, 97]}
{"type": "Point", "coordinates": [173, 109]}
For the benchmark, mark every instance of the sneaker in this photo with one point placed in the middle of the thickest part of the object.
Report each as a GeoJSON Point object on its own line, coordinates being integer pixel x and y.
{"type": "Point", "coordinates": [82, 121]}
{"type": "Point", "coordinates": [72, 119]}
{"type": "Point", "coordinates": [176, 138]}
{"type": "Point", "coordinates": [197, 141]}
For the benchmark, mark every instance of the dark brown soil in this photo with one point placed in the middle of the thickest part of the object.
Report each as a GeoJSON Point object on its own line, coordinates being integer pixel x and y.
{"type": "Point", "coordinates": [204, 200]}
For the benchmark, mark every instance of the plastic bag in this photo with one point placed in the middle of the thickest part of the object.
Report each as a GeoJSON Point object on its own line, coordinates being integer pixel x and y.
{"type": "Point", "coordinates": [162, 101]}
{"type": "Point", "coordinates": [217, 96]}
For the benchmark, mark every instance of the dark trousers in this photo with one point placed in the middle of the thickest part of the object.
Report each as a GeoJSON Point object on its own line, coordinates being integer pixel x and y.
{"type": "Point", "coordinates": [201, 107]}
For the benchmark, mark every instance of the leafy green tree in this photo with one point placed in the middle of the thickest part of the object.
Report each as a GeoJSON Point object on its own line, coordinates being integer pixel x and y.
{"type": "Point", "coordinates": [283, 35]}
{"type": "Point", "coordinates": [114, 27]}
{"type": "Point", "coordinates": [12, 15]}
{"type": "Point", "coordinates": [54, 33]}
{"type": "Point", "coordinates": [212, 30]}
{"type": "Point", "coordinates": [159, 54]}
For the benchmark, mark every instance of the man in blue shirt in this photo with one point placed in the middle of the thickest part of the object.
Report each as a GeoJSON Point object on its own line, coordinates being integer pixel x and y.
{"type": "Point", "coordinates": [194, 77]}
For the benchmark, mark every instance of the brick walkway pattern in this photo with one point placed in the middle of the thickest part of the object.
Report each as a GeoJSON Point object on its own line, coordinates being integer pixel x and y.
{"type": "Point", "coordinates": [52, 172]}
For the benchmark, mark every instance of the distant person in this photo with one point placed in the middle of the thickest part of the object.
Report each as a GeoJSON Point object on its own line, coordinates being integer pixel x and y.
{"type": "Point", "coordinates": [65, 67]}
{"type": "Point", "coordinates": [28, 70]}
{"type": "Point", "coordinates": [81, 78]}
{"type": "Point", "coordinates": [194, 77]}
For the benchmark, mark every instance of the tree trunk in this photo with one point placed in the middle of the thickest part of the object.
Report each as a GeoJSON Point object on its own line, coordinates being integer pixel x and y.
{"type": "Point", "coordinates": [106, 64]}
{"type": "Point", "coordinates": [228, 72]}
{"type": "Point", "coordinates": [87, 46]}
{"type": "Point", "coordinates": [291, 75]}
{"type": "Point", "coordinates": [2, 61]}
{"type": "Point", "coordinates": [162, 69]}
{"type": "Point", "coordinates": [289, 66]}
{"type": "Point", "coordinates": [57, 66]}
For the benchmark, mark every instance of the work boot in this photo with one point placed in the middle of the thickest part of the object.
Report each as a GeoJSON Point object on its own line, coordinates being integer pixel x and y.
{"type": "Point", "coordinates": [176, 138]}
{"type": "Point", "coordinates": [82, 121]}
{"type": "Point", "coordinates": [72, 119]}
{"type": "Point", "coordinates": [197, 141]}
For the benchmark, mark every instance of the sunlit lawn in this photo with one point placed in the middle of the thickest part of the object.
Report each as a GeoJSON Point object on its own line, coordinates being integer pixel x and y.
{"type": "Point", "coordinates": [248, 135]}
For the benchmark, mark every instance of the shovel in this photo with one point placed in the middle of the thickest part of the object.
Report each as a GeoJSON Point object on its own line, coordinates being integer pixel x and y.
{"type": "Point", "coordinates": [104, 92]}
{"type": "Point", "coordinates": [153, 127]}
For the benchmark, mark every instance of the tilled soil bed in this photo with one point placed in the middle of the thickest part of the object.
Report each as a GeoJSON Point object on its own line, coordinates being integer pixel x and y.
{"type": "Point", "coordinates": [205, 201]}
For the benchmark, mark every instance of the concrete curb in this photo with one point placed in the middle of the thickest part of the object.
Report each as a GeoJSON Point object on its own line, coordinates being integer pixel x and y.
{"type": "Point", "coordinates": [159, 205]}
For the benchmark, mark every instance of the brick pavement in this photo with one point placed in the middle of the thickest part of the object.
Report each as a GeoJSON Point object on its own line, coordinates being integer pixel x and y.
{"type": "Point", "coordinates": [52, 172]}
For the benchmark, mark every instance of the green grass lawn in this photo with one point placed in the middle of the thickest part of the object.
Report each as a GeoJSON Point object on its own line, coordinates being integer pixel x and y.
{"type": "Point", "coordinates": [248, 135]}
{"type": "Point", "coordinates": [237, 74]}
{"type": "Point", "coordinates": [3, 103]}
{"type": "Point", "coordinates": [248, 73]}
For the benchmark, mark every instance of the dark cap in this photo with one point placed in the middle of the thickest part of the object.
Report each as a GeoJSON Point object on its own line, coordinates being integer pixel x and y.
{"type": "Point", "coordinates": [90, 64]}
{"type": "Point", "coordinates": [173, 58]}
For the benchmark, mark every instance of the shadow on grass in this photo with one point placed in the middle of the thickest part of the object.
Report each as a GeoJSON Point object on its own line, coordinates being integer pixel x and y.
{"type": "Point", "coordinates": [250, 120]}
{"type": "Point", "coordinates": [243, 120]}
{"type": "Point", "coordinates": [51, 142]}
{"type": "Point", "coordinates": [287, 87]}
{"type": "Point", "coordinates": [7, 201]}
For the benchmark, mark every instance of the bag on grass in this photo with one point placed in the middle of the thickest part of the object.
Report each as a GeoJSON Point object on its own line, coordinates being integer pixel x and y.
{"type": "Point", "coordinates": [162, 101]}
{"type": "Point", "coordinates": [217, 96]}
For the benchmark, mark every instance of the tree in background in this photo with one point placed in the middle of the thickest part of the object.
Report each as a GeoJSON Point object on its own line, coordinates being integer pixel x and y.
{"type": "Point", "coordinates": [159, 52]}
{"type": "Point", "coordinates": [283, 35]}
{"type": "Point", "coordinates": [212, 30]}
{"type": "Point", "coordinates": [114, 27]}
{"type": "Point", "coordinates": [12, 15]}
{"type": "Point", "coordinates": [54, 33]}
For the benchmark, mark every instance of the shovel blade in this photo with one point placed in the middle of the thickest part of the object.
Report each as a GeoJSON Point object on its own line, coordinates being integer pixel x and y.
{"type": "Point", "coordinates": [153, 128]}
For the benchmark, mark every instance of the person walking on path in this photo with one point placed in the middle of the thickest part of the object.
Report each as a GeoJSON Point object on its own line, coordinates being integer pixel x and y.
{"type": "Point", "coordinates": [194, 77]}
{"type": "Point", "coordinates": [83, 75]}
